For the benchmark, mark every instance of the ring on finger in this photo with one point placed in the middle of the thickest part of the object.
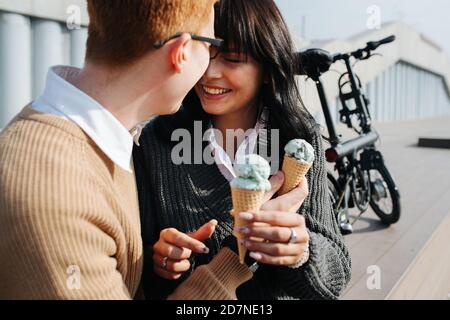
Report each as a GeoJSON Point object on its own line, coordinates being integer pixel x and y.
{"type": "Point", "coordinates": [164, 263]}
{"type": "Point", "coordinates": [293, 237]}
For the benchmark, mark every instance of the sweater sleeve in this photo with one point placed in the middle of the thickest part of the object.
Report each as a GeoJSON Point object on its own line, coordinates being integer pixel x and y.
{"type": "Point", "coordinates": [217, 280]}
{"type": "Point", "coordinates": [328, 270]}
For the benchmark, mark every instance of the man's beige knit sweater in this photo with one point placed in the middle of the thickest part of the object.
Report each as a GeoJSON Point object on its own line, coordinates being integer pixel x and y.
{"type": "Point", "coordinates": [69, 220]}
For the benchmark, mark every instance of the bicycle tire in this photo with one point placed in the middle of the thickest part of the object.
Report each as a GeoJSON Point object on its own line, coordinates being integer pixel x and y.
{"type": "Point", "coordinates": [394, 216]}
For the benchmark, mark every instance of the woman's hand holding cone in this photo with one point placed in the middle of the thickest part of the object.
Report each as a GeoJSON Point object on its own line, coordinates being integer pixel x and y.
{"type": "Point", "coordinates": [267, 233]}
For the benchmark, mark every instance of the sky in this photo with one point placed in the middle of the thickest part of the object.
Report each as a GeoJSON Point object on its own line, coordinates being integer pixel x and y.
{"type": "Point", "coordinates": [332, 19]}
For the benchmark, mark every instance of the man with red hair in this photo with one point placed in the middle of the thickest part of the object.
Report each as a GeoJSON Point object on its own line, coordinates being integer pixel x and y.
{"type": "Point", "coordinates": [69, 218]}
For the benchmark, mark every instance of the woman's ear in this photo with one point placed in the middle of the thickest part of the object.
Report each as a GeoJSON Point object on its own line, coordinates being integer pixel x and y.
{"type": "Point", "coordinates": [179, 54]}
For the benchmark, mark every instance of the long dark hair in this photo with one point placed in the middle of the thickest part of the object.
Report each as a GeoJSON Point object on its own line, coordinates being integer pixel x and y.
{"type": "Point", "coordinates": [257, 28]}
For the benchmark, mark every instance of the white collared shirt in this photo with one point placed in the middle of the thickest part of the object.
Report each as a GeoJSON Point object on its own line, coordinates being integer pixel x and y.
{"type": "Point", "coordinates": [247, 146]}
{"type": "Point", "coordinates": [61, 98]}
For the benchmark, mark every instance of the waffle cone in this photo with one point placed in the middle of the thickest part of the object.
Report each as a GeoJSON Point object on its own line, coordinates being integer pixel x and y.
{"type": "Point", "coordinates": [244, 201]}
{"type": "Point", "coordinates": [294, 172]}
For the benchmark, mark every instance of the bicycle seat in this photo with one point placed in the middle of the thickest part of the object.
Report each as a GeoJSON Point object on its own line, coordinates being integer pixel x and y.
{"type": "Point", "coordinates": [314, 62]}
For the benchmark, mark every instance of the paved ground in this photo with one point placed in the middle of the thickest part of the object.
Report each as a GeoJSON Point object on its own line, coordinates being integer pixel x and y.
{"type": "Point", "coordinates": [423, 177]}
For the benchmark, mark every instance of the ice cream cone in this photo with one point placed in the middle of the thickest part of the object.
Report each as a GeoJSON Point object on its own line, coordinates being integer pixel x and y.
{"type": "Point", "coordinates": [244, 201]}
{"type": "Point", "coordinates": [294, 171]}
{"type": "Point", "coordinates": [247, 190]}
{"type": "Point", "coordinates": [298, 159]}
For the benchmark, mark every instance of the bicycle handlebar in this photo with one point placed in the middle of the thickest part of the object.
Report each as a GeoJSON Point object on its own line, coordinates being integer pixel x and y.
{"type": "Point", "coordinates": [315, 62]}
{"type": "Point", "coordinates": [373, 45]}
{"type": "Point", "coordinates": [359, 54]}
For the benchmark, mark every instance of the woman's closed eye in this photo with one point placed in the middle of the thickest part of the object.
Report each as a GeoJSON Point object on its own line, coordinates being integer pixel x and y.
{"type": "Point", "coordinates": [234, 58]}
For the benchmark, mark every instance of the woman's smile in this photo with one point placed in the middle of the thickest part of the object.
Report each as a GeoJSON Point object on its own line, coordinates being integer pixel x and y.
{"type": "Point", "coordinates": [214, 92]}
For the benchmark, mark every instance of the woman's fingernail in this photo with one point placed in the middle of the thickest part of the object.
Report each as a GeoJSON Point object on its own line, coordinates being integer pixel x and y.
{"type": "Point", "coordinates": [204, 250]}
{"type": "Point", "coordinates": [246, 215]}
{"type": "Point", "coordinates": [255, 255]}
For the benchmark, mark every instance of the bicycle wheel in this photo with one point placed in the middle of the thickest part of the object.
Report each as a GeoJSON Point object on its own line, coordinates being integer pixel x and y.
{"type": "Point", "coordinates": [385, 198]}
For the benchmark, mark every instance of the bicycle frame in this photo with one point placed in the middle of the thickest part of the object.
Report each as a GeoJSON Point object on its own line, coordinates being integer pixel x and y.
{"type": "Point", "coordinates": [356, 158]}
{"type": "Point", "coordinates": [345, 154]}
{"type": "Point", "coordinates": [357, 95]}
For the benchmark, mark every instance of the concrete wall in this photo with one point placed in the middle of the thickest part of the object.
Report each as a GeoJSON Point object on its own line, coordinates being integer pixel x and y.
{"type": "Point", "coordinates": [28, 47]}
{"type": "Point", "coordinates": [15, 64]}
{"type": "Point", "coordinates": [405, 92]}
{"type": "Point", "coordinates": [58, 10]}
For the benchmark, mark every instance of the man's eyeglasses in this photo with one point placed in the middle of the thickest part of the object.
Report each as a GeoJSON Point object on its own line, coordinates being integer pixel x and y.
{"type": "Point", "coordinates": [216, 44]}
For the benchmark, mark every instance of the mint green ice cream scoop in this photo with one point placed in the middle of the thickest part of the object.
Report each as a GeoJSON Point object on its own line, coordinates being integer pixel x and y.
{"type": "Point", "coordinates": [300, 150]}
{"type": "Point", "coordinates": [252, 172]}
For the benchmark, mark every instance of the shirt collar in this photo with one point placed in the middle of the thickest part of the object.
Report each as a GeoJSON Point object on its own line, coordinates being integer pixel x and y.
{"type": "Point", "coordinates": [98, 123]}
{"type": "Point", "coordinates": [223, 160]}
{"type": "Point", "coordinates": [253, 133]}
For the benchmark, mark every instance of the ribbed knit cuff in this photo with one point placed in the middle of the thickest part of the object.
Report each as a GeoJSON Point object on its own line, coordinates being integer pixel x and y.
{"type": "Point", "coordinates": [322, 277]}
{"type": "Point", "coordinates": [217, 280]}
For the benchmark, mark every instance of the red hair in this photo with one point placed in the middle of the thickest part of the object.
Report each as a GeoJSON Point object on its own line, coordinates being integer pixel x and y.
{"type": "Point", "coordinates": [122, 31]}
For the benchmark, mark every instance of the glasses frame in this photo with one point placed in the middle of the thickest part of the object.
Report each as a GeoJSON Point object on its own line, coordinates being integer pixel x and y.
{"type": "Point", "coordinates": [217, 43]}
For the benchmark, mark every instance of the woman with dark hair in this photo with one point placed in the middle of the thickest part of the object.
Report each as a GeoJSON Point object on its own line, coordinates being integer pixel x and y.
{"type": "Point", "coordinates": [249, 87]}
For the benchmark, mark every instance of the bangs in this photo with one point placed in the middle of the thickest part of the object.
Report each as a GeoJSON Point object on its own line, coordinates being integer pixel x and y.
{"type": "Point", "coordinates": [235, 25]}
